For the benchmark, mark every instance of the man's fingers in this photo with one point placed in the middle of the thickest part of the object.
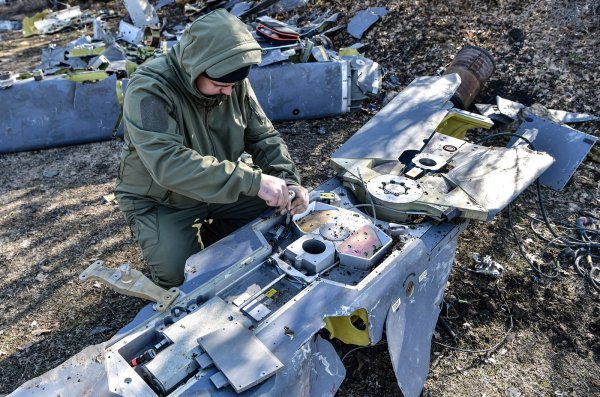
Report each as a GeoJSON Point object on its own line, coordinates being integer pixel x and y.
{"type": "Point", "coordinates": [300, 203]}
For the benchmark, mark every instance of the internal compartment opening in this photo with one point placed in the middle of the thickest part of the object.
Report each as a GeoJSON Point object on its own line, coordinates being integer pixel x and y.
{"type": "Point", "coordinates": [313, 247]}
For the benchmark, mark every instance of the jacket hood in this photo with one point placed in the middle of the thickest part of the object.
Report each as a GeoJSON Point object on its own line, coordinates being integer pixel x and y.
{"type": "Point", "coordinates": [217, 43]}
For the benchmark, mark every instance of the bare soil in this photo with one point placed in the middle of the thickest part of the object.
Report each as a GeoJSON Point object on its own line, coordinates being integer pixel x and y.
{"type": "Point", "coordinates": [54, 219]}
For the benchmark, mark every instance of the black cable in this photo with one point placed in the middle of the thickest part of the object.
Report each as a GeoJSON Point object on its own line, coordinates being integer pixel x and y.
{"type": "Point", "coordinates": [559, 225]}
{"type": "Point", "coordinates": [537, 269]}
{"type": "Point", "coordinates": [495, 346]}
{"type": "Point", "coordinates": [558, 240]}
{"type": "Point", "coordinates": [532, 265]}
{"type": "Point", "coordinates": [504, 134]}
{"type": "Point", "coordinates": [594, 270]}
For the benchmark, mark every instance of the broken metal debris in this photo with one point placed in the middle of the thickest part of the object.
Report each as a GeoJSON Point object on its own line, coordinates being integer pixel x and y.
{"type": "Point", "coordinates": [142, 13]}
{"type": "Point", "coordinates": [287, 5]}
{"type": "Point", "coordinates": [47, 22]}
{"type": "Point", "coordinates": [101, 31]}
{"type": "Point", "coordinates": [321, 24]}
{"type": "Point", "coordinates": [487, 266]}
{"type": "Point", "coordinates": [130, 33]}
{"type": "Point", "coordinates": [566, 145]}
{"type": "Point", "coordinates": [572, 117]}
{"type": "Point", "coordinates": [7, 80]}
{"type": "Point", "coordinates": [240, 8]}
{"type": "Point", "coordinates": [493, 113]}
{"type": "Point", "coordinates": [511, 109]}
{"type": "Point", "coordinates": [38, 74]}
{"type": "Point", "coordinates": [364, 19]}
{"type": "Point", "coordinates": [131, 282]}
{"type": "Point", "coordinates": [10, 25]}
{"type": "Point", "coordinates": [162, 3]}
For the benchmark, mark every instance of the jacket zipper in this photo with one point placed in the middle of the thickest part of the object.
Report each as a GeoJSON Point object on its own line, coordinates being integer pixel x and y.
{"type": "Point", "coordinates": [209, 134]}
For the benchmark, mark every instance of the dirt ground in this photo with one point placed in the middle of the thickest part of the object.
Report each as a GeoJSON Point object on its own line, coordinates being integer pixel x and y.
{"type": "Point", "coordinates": [54, 219]}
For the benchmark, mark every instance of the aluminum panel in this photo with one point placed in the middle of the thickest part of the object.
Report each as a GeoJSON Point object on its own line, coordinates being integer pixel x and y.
{"type": "Point", "coordinates": [494, 177]}
{"type": "Point", "coordinates": [404, 124]}
{"type": "Point", "coordinates": [568, 146]}
{"type": "Point", "coordinates": [252, 361]}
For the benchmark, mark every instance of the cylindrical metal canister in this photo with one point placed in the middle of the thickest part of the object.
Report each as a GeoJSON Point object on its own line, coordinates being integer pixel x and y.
{"type": "Point", "coordinates": [474, 65]}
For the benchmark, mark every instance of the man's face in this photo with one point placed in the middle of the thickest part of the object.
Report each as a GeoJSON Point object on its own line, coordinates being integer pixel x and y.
{"type": "Point", "coordinates": [210, 87]}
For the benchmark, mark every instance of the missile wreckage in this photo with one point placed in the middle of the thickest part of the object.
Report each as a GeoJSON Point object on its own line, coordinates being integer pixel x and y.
{"type": "Point", "coordinates": [369, 258]}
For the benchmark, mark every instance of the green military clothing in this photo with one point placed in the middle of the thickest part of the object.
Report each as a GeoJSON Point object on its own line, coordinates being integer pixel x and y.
{"type": "Point", "coordinates": [167, 237]}
{"type": "Point", "coordinates": [181, 148]}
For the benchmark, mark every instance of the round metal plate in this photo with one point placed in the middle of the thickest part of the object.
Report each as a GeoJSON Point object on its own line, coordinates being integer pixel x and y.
{"type": "Point", "coordinates": [334, 232]}
{"type": "Point", "coordinates": [394, 189]}
{"type": "Point", "coordinates": [428, 161]}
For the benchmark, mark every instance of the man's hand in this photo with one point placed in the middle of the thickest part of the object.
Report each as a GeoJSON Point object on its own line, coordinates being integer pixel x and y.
{"type": "Point", "coordinates": [275, 193]}
{"type": "Point", "coordinates": [300, 202]}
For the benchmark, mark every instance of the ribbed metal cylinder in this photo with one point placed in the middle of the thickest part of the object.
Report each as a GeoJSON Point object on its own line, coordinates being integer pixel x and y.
{"type": "Point", "coordinates": [474, 65]}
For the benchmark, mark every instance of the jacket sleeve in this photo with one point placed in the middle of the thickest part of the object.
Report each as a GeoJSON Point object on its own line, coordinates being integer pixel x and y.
{"type": "Point", "coordinates": [263, 142]}
{"type": "Point", "coordinates": [152, 132]}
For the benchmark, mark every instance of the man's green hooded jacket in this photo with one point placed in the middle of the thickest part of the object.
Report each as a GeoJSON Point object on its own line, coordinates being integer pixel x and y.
{"type": "Point", "coordinates": [181, 148]}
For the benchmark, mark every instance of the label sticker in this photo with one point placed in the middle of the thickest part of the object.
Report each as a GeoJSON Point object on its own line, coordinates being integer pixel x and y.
{"type": "Point", "coordinates": [423, 276]}
{"type": "Point", "coordinates": [396, 305]}
{"type": "Point", "coordinates": [270, 293]}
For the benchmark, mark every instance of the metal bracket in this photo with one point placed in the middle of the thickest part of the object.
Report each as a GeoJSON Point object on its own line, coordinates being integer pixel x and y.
{"type": "Point", "coordinates": [131, 282]}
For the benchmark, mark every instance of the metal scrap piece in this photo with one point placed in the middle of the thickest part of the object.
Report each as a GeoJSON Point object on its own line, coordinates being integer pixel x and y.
{"type": "Point", "coordinates": [10, 25]}
{"type": "Point", "coordinates": [130, 33]}
{"type": "Point", "coordinates": [411, 320]}
{"type": "Point", "coordinates": [511, 109]}
{"type": "Point", "coordinates": [101, 30]}
{"type": "Point", "coordinates": [142, 13]}
{"type": "Point", "coordinates": [369, 73]}
{"type": "Point", "coordinates": [7, 80]}
{"type": "Point", "coordinates": [572, 117]}
{"type": "Point", "coordinates": [51, 22]}
{"type": "Point", "coordinates": [240, 8]}
{"type": "Point", "coordinates": [130, 282]}
{"type": "Point", "coordinates": [54, 58]}
{"type": "Point", "coordinates": [319, 24]}
{"type": "Point", "coordinates": [162, 3]}
{"type": "Point", "coordinates": [493, 113]}
{"type": "Point", "coordinates": [364, 19]}
{"type": "Point", "coordinates": [568, 146]}
{"type": "Point", "coordinates": [276, 55]}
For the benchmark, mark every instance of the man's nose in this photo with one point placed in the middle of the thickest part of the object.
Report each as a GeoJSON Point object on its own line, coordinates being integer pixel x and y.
{"type": "Point", "coordinates": [226, 90]}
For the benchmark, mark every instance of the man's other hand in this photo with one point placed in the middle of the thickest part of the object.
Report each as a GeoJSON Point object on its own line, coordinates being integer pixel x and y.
{"type": "Point", "coordinates": [275, 192]}
{"type": "Point", "coordinates": [300, 202]}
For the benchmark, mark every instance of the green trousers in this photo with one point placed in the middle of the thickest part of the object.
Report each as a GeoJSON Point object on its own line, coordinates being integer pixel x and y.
{"type": "Point", "coordinates": [168, 238]}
